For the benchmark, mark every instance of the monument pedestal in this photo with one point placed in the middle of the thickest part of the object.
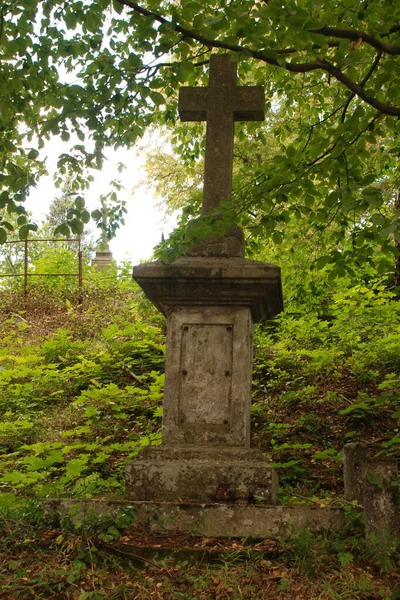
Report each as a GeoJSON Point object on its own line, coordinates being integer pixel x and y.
{"type": "Point", "coordinates": [201, 475]}
{"type": "Point", "coordinates": [211, 304]}
{"type": "Point", "coordinates": [211, 298]}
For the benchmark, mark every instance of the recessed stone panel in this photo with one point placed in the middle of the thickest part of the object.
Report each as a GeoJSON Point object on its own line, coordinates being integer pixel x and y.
{"type": "Point", "coordinates": [208, 377]}
{"type": "Point", "coordinates": [205, 374]}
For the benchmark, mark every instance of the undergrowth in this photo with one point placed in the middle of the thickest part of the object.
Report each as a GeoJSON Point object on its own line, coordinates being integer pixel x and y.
{"type": "Point", "coordinates": [81, 394]}
{"type": "Point", "coordinates": [80, 398]}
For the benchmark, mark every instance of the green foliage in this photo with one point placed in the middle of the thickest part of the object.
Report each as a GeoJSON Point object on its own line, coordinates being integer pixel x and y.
{"type": "Point", "coordinates": [80, 400]}
{"type": "Point", "coordinates": [312, 554]}
{"type": "Point", "coordinates": [325, 159]}
{"type": "Point", "coordinates": [74, 410]}
{"type": "Point", "coordinates": [322, 379]}
{"type": "Point", "coordinates": [81, 385]}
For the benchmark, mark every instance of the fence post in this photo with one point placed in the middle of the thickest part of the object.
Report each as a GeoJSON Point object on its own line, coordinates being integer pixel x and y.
{"type": "Point", "coordinates": [80, 273]}
{"type": "Point", "coordinates": [354, 458]}
{"type": "Point", "coordinates": [26, 267]}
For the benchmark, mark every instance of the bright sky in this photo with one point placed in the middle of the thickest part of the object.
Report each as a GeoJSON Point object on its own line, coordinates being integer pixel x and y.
{"type": "Point", "coordinates": [145, 223]}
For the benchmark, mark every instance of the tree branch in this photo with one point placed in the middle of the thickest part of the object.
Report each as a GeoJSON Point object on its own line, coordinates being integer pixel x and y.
{"type": "Point", "coordinates": [2, 15]}
{"type": "Point", "coordinates": [318, 64]}
{"type": "Point", "coordinates": [362, 83]}
{"type": "Point", "coordinates": [355, 35]}
{"type": "Point", "coordinates": [386, 109]}
{"type": "Point", "coordinates": [320, 123]}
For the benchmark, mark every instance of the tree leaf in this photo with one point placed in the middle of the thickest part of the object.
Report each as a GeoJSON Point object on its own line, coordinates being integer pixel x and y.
{"type": "Point", "coordinates": [386, 231]}
{"type": "Point", "coordinates": [62, 229]}
{"type": "Point", "coordinates": [33, 154]}
{"type": "Point", "coordinates": [79, 202]}
{"type": "Point", "coordinates": [23, 232]}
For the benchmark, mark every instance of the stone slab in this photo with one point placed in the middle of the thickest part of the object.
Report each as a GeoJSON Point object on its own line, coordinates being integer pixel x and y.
{"type": "Point", "coordinates": [381, 499]}
{"type": "Point", "coordinates": [200, 475]}
{"type": "Point", "coordinates": [208, 377]}
{"type": "Point", "coordinates": [213, 520]}
{"type": "Point", "coordinates": [354, 458]}
{"type": "Point", "coordinates": [212, 281]}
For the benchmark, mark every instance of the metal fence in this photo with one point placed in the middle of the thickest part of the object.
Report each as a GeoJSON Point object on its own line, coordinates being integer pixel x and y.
{"type": "Point", "coordinates": [26, 273]}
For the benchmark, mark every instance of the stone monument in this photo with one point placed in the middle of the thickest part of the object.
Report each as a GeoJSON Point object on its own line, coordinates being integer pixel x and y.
{"type": "Point", "coordinates": [205, 478]}
{"type": "Point", "coordinates": [103, 258]}
{"type": "Point", "coordinates": [211, 298]}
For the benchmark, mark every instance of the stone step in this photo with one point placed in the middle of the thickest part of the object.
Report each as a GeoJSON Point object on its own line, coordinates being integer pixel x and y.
{"type": "Point", "coordinates": [211, 520]}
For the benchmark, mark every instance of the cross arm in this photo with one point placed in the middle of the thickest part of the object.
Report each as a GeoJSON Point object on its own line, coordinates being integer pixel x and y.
{"type": "Point", "coordinates": [193, 103]}
{"type": "Point", "coordinates": [249, 103]}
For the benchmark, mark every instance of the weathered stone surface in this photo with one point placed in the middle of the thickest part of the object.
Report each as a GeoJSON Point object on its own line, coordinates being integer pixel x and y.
{"type": "Point", "coordinates": [103, 260]}
{"type": "Point", "coordinates": [220, 104]}
{"type": "Point", "coordinates": [211, 300]}
{"type": "Point", "coordinates": [240, 521]}
{"type": "Point", "coordinates": [210, 304]}
{"type": "Point", "coordinates": [214, 520]}
{"type": "Point", "coordinates": [211, 281]}
{"type": "Point", "coordinates": [208, 377]}
{"type": "Point", "coordinates": [381, 501]}
{"type": "Point", "coordinates": [354, 457]}
{"type": "Point", "coordinates": [230, 244]}
{"type": "Point", "coordinates": [167, 474]}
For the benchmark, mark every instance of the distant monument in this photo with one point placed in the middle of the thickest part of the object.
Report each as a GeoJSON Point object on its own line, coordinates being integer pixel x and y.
{"type": "Point", "coordinates": [103, 258]}
{"type": "Point", "coordinates": [211, 298]}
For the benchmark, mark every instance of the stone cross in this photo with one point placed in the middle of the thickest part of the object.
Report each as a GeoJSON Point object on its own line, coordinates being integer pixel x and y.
{"type": "Point", "coordinates": [104, 239]}
{"type": "Point", "coordinates": [220, 104]}
{"type": "Point", "coordinates": [211, 299]}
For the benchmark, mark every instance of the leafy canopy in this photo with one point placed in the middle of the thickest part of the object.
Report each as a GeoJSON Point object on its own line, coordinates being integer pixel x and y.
{"type": "Point", "coordinates": [97, 73]}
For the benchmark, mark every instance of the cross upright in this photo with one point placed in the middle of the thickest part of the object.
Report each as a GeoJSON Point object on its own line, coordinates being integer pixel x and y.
{"type": "Point", "coordinates": [220, 104]}
{"type": "Point", "coordinates": [104, 238]}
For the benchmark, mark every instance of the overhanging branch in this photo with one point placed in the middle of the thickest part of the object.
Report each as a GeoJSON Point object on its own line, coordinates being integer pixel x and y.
{"type": "Point", "coordinates": [355, 35]}
{"type": "Point", "coordinates": [319, 64]}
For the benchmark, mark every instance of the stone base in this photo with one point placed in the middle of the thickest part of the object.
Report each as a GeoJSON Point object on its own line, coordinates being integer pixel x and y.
{"type": "Point", "coordinates": [168, 474]}
{"type": "Point", "coordinates": [229, 245]}
{"type": "Point", "coordinates": [214, 520]}
{"type": "Point", "coordinates": [212, 281]}
{"type": "Point", "coordinates": [103, 260]}
{"type": "Point", "coordinates": [259, 522]}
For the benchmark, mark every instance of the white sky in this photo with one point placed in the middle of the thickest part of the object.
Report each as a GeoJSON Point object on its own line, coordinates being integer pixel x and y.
{"type": "Point", "coordinates": [144, 222]}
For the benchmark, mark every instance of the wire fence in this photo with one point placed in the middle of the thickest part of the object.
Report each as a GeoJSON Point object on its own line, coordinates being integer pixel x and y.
{"type": "Point", "coordinates": [26, 273]}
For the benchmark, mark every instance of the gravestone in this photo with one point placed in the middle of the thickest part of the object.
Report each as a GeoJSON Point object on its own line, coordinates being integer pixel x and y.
{"type": "Point", "coordinates": [381, 500]}
{"type": "Point", "coordinates": [220, 105]}
{"type": "Point", "coordinates": [211, 299]}
{"type": "Point", "coordinates": [355, 457]}
{"type": "Point", "coordinates": [103, 258]}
